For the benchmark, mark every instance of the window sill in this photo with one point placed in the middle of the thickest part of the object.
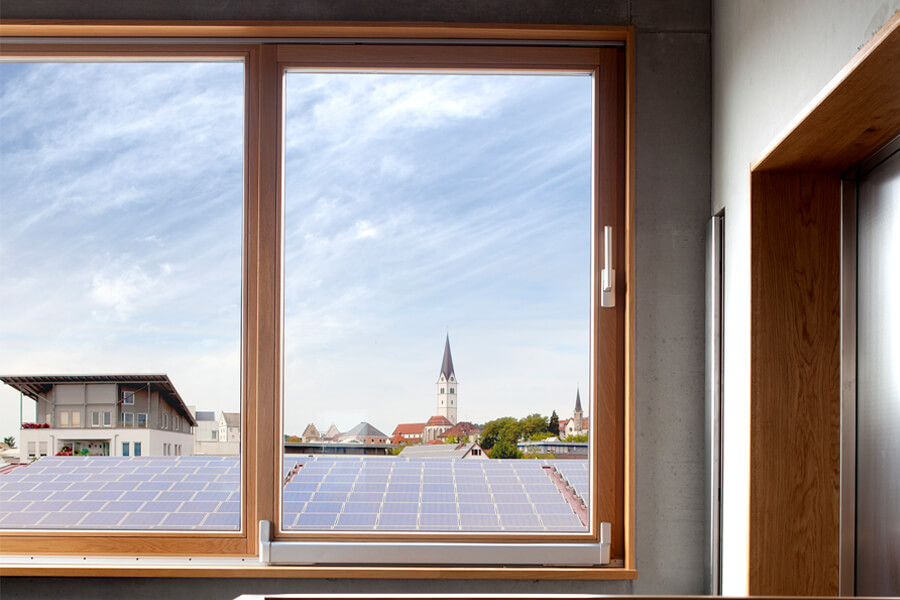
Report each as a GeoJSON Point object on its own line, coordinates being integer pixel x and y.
{"type": "Point", "coordinates": [252, 569]}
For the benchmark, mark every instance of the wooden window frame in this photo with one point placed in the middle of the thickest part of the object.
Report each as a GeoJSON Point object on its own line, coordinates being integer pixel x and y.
{"type": "Point", "coordinates": [519, 47]}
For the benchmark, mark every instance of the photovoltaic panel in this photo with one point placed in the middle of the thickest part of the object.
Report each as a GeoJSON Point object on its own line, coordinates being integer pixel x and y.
{"type": "Point", "coordinates": [123, 493]}
{"type": "Point", "coordinates": [427, 494]}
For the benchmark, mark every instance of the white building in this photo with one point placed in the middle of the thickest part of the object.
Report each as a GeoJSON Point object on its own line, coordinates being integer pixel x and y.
{"type": "Point", "coordinates": [103, 415]}
{"type": "Point", "coordinates": [447, 387]}
{"type": "Point", "coordinates": [230, 427]}
{"type": "Point", "coordinates": [207, 438]}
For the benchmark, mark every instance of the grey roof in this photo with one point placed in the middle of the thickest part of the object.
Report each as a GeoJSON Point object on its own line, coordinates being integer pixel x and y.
{"type": "Point", "coordinates": [364, 429]}
{"type": "Point", "coordinates": [578, 401]}
{"type": "Point", "coordinates": [447, 364]}
{"type": "Point", "coordinates": [437, 450]}
{"type": "Point", "coordinates": [232, 419]}
{"type": "Point", "coordinates": [206, 415]}
{"type": "Point", "coordinates": [35, 386]}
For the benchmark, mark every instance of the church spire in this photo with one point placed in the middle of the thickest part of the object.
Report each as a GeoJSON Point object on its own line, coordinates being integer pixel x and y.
{"type": "Point", "coordinates": [447, 386]}
{"type": "Point", "coordinates": [578, 400]}
{"type": "Point", "coordinates": [447, 365]}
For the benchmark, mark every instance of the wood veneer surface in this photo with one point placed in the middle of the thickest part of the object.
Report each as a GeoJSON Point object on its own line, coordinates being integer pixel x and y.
{"type": "Point", "coordinates": [795, 384]}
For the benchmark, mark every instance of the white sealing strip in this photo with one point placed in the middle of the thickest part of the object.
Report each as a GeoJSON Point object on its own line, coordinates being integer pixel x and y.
{"type": "Point", "coordinates": [555, 554]}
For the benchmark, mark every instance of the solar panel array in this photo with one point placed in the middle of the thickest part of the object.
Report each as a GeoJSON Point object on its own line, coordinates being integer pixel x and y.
{"type": "Point", "coordinates": [576, 474]}
{"type": "Point", "coordinates": [322, 492]}
{"type": "Point", "coordinates": [188, 492]}
{"type": "Point", "coordinates": [372, 493]}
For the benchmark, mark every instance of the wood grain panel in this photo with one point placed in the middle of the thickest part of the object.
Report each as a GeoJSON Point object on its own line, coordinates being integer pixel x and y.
{"type": "Point", "coordinates": [255, 570]}
{"type": "Point", "coordinates": [795, 383]}
{"type": "Point", "coordinates": [111, 543]}
{"type": "Point", "coordinates": [843, 124]}
{"type": "Point", "coordinates": [437, 57]}
{"type": "Point", "coordinates": [607, 411]}
{"type": "Point", "coordinates": [250, 475]}
{"type": "Point", "coordinates": [268, 293]}
{"type": "Point", "coordinates": [627, 283]}
{"type": "Point", "coordinates": [303, 29]}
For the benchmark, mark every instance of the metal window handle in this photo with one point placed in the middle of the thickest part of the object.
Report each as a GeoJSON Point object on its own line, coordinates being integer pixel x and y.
{"type": "Point", "coordinates": [607, 274]}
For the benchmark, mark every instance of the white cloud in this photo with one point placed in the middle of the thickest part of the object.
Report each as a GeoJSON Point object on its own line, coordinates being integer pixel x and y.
{"type": "Point", "coordinates": [119, 292]}
{"type": "Point", "coordinates": [365, 230]}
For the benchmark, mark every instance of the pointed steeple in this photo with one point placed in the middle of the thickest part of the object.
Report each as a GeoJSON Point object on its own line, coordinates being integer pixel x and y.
{"type": "Point", "coordinates": [578, 400]}
{"type": "Point", "coordinates": [447, 365]}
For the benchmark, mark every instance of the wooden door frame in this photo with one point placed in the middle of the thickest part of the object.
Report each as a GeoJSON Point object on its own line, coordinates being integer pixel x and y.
{"type": "Point", "coordinates": [795, 387]}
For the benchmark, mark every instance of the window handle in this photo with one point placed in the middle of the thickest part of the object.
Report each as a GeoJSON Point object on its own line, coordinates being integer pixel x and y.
{"type": "Point", "coordinates": [607, 274]}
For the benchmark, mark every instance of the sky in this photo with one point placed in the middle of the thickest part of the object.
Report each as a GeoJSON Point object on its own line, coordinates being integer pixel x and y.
{"type": "Point", "coordinates": [416, 205]}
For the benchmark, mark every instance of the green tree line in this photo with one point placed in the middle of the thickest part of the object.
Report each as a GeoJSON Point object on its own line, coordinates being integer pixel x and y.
{"type": "Point", "coordinates": [500, 437]}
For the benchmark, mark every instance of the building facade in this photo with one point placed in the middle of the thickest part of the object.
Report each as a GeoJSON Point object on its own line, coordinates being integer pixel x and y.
{"type": "Point", "coordinates": [103, 415]}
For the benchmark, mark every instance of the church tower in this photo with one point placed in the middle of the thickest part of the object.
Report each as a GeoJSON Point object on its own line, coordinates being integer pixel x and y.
{"type": "Point", "coordinates": [447, 386]}
{"type": "Point", "coordinates": [578, 414]}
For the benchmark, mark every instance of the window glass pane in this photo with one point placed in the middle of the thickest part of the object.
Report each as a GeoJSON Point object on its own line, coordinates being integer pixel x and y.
{"type": "Point", "coordinates": [437, 230]}
{"type": "Point", "coordinates": [120, 251]}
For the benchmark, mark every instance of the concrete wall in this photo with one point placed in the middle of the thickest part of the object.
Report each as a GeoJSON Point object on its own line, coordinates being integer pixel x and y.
{"type": "Point", "coordinates": [770, 59]}
{"type": "Point", "coordinates": [673, 199]}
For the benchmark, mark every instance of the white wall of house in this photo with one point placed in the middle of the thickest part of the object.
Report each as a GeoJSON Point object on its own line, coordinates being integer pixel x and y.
{"type": "Point", "coordinates": [33, 443]}
{"type": "Point", "coordinates": [216, 448]}
{"type": "Point", "coordinates": [770, 60]}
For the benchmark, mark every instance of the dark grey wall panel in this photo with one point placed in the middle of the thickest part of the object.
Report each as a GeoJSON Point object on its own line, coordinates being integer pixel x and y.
{"type": "Point", "coordinates": [603, 12]}
{"type": "Point", "coordinates": [672, 206]}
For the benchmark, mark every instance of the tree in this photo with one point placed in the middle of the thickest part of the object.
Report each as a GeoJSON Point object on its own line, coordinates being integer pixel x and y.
{"type": "Point", "coordinates": [553, 426]}
{"type": "Point", "coordinates": [505, 448]}
{"type": "Point", "coordinates": [491, 432]}
{"type": "Point", "coordinates": [533, 425]}
{"type": "Point", "coordinates": [579, 437]}
{"type": "Point", "coordinates": [10, 441]}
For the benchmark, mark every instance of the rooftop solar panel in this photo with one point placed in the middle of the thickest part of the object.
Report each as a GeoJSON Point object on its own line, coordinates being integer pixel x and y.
{"type": "Point", "coordinates": [315, 520]}
{"type": "Point", "coordinates": [356, 521]}
{"type": "Point", "coordinates": [204, 493]}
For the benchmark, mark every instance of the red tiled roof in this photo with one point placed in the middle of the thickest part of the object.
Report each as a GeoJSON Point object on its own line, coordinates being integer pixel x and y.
{"type": "Point", "coordinates": [409, 429]}
{"type": "Point", "coordinates": [461, 429]}
{"type": "Point", "coordinates": [437, 421]}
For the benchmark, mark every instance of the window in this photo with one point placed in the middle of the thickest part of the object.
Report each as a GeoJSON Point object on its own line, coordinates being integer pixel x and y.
{"type": "Point", "coordinates": [127, 419]}
{"type": "Point", "coordinates": [125, 448]}
{"type": "Point", "coordinates": [107, 418]}
{"type": "Point", "coordinates": [95, 418]}
{"type": "Point", "coordinates": [127, 397]}
{"type": "Point", "coordinates": [137, 448]}
{"type": "Point", "coordinates": [76, 419]}
{"type": "Point", "coordinates": [330, 215]}
{"type": "Point", "coordinates": [63, 419]}
{"type": "Point", "coordinates": [262, 281]}
{"type": "Point", "coordinates": [42, 445]}
{"type": "Point", "coordinates": [142, 420]}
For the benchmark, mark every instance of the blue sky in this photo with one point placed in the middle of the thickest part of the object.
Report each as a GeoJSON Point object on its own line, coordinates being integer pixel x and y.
{"type": "Point", "coordinates": [120, 224]}
{"type": "Point", "coordinates": [422, 203]}
{"type": "Point", "coordinates": [415, 205]}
